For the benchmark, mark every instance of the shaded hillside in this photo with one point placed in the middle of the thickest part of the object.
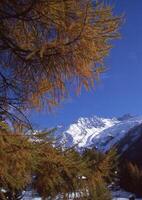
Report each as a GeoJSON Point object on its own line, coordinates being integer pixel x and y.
{"type": "Point", "coordinates": [130, 147]}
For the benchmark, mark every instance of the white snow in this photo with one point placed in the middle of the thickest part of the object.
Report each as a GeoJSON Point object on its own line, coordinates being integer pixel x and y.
{"type": "Point", "coordinates": [122, 195]}
{"type": "Point", "coordinates": [116, 195]}
{"type": "Point", "coordinates": [102, 133]}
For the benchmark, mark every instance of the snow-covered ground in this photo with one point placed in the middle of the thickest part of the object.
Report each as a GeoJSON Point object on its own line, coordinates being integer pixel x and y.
{"type": "Point", "coordinates": [122, 195]}
{"type": "Point", "coordinates": [116, 195]}
{"type": "Point", "coordinates": [121, 198]}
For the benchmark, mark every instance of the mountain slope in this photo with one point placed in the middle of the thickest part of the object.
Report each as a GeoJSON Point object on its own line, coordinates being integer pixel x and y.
{"type": "Point", "coordinates": [102, 133]}
{"type": "Point", "coordinates": [130, 147]}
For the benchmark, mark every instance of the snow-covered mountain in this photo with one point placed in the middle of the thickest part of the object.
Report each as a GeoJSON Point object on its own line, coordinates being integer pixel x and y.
{"type": "Point", "coordinates": [98, 132]}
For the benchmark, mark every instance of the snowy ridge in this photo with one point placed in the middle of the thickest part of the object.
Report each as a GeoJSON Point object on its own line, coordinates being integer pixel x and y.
{"type": "Point", "coordinates": [102, 133]}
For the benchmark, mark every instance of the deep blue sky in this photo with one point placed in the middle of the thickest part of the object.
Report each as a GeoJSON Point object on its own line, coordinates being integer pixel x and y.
{"type": "Point", "coordinates": [119, 91]}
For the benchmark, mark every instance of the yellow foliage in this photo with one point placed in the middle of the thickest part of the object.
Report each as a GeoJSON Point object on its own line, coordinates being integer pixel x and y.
{"type": "Point", "coordinates": [49, 44]}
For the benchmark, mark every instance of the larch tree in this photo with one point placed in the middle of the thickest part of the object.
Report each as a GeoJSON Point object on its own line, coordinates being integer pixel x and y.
{"type": "Point", "coordinates": [49, 170]}
{"type": "Point", "coordinates": [131, 177]}
{"type": "Point", "coordinates": [46, 47]}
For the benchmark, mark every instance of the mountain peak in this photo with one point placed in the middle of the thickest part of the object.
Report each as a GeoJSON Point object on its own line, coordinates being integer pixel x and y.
{"type": "Point", "coordinates": [88, 122]}
{"type": "Point", "coordinates": [125, 117]}
{"type": "Point", "coordinates": [99, 132]}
